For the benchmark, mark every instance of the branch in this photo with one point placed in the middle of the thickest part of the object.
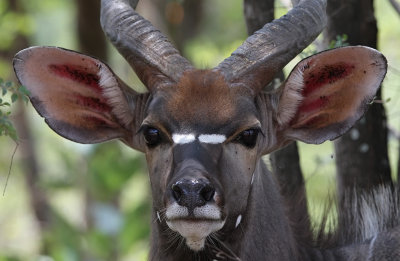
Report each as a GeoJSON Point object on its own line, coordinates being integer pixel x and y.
{"type": "Point", "coordinates": [395, 5]}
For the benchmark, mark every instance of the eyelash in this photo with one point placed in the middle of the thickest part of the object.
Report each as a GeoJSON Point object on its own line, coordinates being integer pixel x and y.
{"type": "Point", "coordinates": [248, 138]}
{"type": "Point", "coordinates": [152, 136]}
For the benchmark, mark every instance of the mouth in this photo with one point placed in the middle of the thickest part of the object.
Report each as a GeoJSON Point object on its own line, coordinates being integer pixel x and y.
{"type": "Point", "coordinates": [195, 229]}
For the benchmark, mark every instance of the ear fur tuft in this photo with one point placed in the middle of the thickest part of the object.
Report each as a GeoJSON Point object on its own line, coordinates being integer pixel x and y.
{"type": "Point", "coordinates": [290, 98]}
{"type": "Point", "coordinates": [111, 87]}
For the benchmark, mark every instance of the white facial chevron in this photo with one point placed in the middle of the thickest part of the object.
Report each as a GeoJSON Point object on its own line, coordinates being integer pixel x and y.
{"type": "Point", "coordinates": [212, 138]}
{"type": "Point", "coordinates": [203, 138]}
{"type": "Point", "coordinates": [183, 138]}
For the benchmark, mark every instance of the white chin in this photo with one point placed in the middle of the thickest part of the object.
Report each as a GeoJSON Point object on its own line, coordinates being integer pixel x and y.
{"type": "Point", "coordinates": [195, 231]}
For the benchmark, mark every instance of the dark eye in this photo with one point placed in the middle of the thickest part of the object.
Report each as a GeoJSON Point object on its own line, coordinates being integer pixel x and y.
{"type": "Point", "coordinates": [248, 137]}
{"type": "Point", "coordinates": [152, 136]}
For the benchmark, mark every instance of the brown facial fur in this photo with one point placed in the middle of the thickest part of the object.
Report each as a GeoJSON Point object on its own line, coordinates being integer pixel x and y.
{"type": "Point", "coordinates": [202, 96]}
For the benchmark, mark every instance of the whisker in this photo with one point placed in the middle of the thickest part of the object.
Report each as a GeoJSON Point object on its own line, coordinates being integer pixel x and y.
{"type": "Point", "coordinates": [220, 249]}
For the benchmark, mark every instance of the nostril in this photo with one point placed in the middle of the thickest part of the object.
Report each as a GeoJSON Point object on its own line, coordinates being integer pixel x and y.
{"type": "Point", "coordinates": [192, 193]}
{"type": "Point", "coordinates": [207, 193]}
{"type": "Point", "coordinates": [176, 191]}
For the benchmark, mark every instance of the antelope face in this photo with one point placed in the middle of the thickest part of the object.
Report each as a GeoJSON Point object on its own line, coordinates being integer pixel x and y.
{"type": "Point", "coordinates": [202, 136]}
{"type": "Point", "coordinates": [201, 154]}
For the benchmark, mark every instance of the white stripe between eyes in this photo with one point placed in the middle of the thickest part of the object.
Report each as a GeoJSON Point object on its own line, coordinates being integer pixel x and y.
{"type": "Point", "coordinates": [183, 138]}
{"type": "Point", "coordinates": [212, 138]}
{"type": "Point", "coordinates": [204, 138]}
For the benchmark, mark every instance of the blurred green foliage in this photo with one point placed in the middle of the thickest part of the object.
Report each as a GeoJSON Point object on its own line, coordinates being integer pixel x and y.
{"type": "Point", "coordinates": [107, 230]}
{"type": "Point", "coordinates": [341, 40]}
{"type": "Point", "coordinates": [15, 92]}
{"type": "Point", "coordinates": [13, 25]}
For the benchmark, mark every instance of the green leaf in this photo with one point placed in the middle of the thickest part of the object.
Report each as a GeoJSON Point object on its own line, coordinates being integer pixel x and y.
{"type": "Point", "coordinates": [14, 97]}
{"type": "Point", "coordinates": [5, 104]}
{"type": "Point", "coordinates": [24, 93]}
{"type": "Point", "coordinates": [341, 40]}
{"type": "Point", "coordinates": [23, 90]}
{"type": "Point", "coordinates": [8, 84]}
{"type": "Point", "coordinates": [7, 129]}
{"type": "Point", "coordinates": [17, 92]}
{"type": "Point", "coordinates": [13, 134]}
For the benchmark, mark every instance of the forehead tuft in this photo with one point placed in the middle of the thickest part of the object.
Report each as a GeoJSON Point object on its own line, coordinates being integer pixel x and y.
{"type": "Point", "coordinates": [201, 97]}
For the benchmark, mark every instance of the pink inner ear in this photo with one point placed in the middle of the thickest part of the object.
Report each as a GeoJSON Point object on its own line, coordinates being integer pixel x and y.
{"type": "Point", "coordinates": [79, 94]}
{"type": "Point", "coordinates": [67, 84]}
{"type": "Point", "coordinates": [326, 93]}
{"type": "Point", "coordinates": [92, 100]}
{"type": "Point", "coordinates": [337, 84]}
{"type": "Point", "coordinates": [78, 74]}
{"type": "Point", "coordinates": [76, 94]}
{"type": "Point", "coordinates": [321, 93]}
{"type": "Point", "coordinates": [92, 103]}
{"type": "Point", "coordinates": [328, 74]}
{"type": "Point", "coordinates": [318, 80]}
{"type": "Point", "coordinates": [313, 105]}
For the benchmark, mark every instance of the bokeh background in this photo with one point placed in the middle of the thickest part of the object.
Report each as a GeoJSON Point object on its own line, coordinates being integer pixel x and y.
{"type": "Point", "coordinates": [66, 201]}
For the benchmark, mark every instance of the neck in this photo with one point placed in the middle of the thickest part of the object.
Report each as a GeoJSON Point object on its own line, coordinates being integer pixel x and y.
{"type": "Point", "coordinates": [264, 232]}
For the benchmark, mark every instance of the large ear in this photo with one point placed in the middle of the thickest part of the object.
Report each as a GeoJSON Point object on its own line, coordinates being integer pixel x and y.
{"type": "Point", "coordinates": [80, 97]}
{"type": "Point", "coordinates": [327, 93]}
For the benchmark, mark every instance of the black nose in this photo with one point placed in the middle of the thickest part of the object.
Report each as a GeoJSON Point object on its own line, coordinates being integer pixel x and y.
{"type": "Point", "coordinates": [192, 193]}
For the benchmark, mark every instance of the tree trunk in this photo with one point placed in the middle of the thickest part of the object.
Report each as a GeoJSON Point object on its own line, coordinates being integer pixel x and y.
{"type": "Point", "coordinates": [285, 162]}
{"type": "Point", "coordinates": [91, 38]}
{"type": "Point", "coordinates": [361, 154]}
{"type": "Point", "coordinates": [257, 13]}
{"type": "Point", "coordinates": [37, 197]}
{"type": "Point", "coordinates": [182, 19]}
{"type": "Point", "coordinates": [398, 166]}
